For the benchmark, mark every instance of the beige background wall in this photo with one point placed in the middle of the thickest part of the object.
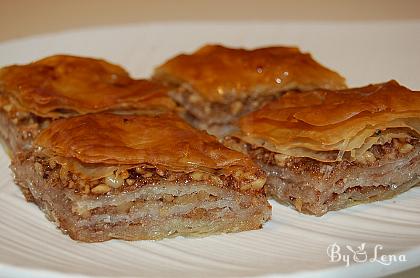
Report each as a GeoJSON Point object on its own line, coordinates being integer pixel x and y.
{"type": "Point", "coordinates": [25, 17]}
{"type": "Point", "coordinates": [19, 18]}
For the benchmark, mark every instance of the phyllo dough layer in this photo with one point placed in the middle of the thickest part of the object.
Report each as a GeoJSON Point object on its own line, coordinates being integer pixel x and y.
{"type": "Point", "coordinates": [103, 176]}
{"type": "Point", "coordinates": [325, 150]}
{"type": "Point", "coordinates": [33, 95]}
{"type": "Point", "coordinates": [217, 84]}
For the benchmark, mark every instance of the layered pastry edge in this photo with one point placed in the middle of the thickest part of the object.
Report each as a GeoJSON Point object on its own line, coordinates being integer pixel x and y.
{"type": "Point", "coordinates": [314, 176]}
{"type": "Point", "coordinates": [100, 201]}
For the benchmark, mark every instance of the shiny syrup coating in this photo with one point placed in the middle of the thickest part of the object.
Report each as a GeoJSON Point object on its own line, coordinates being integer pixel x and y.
{"type": "Point", "coordinates": [164, 140]}
{"type": "Point", "coordinates": [321, 119]}
{"type": "Point", "coordinates": [62, 84]}
{"type": "Point", "coordinates": [219, 73]}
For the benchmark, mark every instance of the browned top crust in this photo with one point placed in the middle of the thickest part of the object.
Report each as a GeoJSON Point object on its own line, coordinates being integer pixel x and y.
{"type": "Point", "coordinates": [162, 140]}
{"type": "Point", "coordinates": [324, 120]}
{"type": "Point", "coordinates": [61, 85]}
{"type": "Point", "coordinates": [219, 73]}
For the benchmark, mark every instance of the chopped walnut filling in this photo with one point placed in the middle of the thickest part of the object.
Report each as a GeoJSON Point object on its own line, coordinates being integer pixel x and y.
{"type": "Point", "coordinates": [20, 117]}
{"type": "Point", "coordinates": [316, 187]}
{"type": "Point", "coordinates": [394, 149]}
{"type": "Point", "coordinates": [27, 125]}
{"type": "Point", "coordinates": [127, 207]}
{"type": "Point", "coordinates": [218, 113]}
{"type": "Point", "coordinates": [141, 175]}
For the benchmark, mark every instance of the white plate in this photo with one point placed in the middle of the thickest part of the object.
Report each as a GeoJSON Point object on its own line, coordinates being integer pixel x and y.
{"type": "Point", "coordinates": [291, 244]}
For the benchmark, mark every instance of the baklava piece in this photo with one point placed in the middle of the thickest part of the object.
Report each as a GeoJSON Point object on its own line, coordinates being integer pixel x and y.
{"type": "Point", "coordinates": [326, 150]}
{"type": "Point", "coordinates": [104, 176]}
{"type": "Point", "coordinates": [33, 95]}
{"type": "Point", "coordinates": [216, 84]}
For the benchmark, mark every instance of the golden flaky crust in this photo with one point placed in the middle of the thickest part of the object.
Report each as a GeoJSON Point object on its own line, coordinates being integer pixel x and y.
{"type": "Point", "coordinates": [324, 120]}
{"type": "Point", "coordinates": [61, 85]}
{"type": "Point", "coordinates": [163, 140]}
{"type": "Point", "coordinates": [220, 74]}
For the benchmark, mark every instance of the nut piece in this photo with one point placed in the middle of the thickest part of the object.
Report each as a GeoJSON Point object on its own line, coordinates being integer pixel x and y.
{"type": "Point", "coordinates": [171, 176]}
{"type": "Point", "coordinates": [238, 174]}
{"type": "Point", "coordinates": [207, 109]}
{"type": "Point", "coordinates": [197, 176]}
{"type": "Point", "coordinates": [160, 172]}
{"type": "Point", "coordinates": [236, 107]}
{"type": "Point", "coordinates": [45, 124]}
{"type": "Point", "coordinates": [38, 168]}
{"type": "Point", "coordinates": [258, 183]}
{"type": "Point", "coordinates": [147, 175]}
{"type": "Point", "coordinates": [63, 174]}
{"type": "Point", "coordinates": [140, 170]}
{"type": "Point", "coordinates": [194, 98]}
{"type": "Point", "coordinates": [8, 107]}
{"type": "Point", "coordinates": [406, 148]}
{"type": "Point", "coordinates": [130, 181]}
{"type": "Point", "coordinates": [216, 180]}
{"type": "Point", "coordinates": [369, 157]}
{"type": "Point", "coordinates": [71, 184]}
{"type": "Point", "coordinates": [280, 159]}
{"type": "Point", "coordinates": [168, 198]}
{"type": "Point", "coordinates": [86, 188]}
{"type": "Point", "coordinates": [85, 214]}
{"type": "Point", "coordinates": [123, 174]}
{"type": "Point", "coordinates": [246, 186]}
{"type": "Point", "coordinates": [366, 158]}
{"type": "Point", "coordinates": [298, 204]}
{"type": "Point", "coordinates": [101, 189]}
{"type": "Point", "coordinates": [52, 164]}
{"type": "Point", "coordinates": [113, 181]}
